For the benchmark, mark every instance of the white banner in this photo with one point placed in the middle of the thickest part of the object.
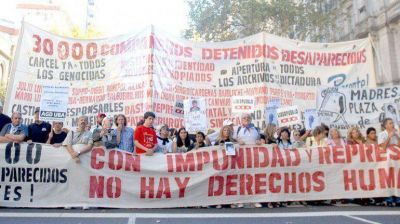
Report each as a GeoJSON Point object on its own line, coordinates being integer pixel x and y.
{"type": "Point", "coordinates": [42, 176]}
{"type": "Point", "coordinates": [54, 103]}
{"type": "Point", "coordinates": [152, 71]}
{"type": "Point", "coordinates": [343, 107]}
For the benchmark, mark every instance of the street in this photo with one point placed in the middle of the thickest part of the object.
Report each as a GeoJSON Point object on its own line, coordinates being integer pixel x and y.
{"type": "Point", "coordinates": [289, 215]}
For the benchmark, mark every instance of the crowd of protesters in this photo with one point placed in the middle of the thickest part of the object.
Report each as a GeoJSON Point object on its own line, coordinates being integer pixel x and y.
{"type": "Point", "coordinates": [146, 139]}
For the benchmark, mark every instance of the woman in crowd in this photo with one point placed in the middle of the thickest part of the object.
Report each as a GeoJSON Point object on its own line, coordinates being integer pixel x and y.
{"type": "Point", "coordinates": [354, 136]}
{"type": "Point", "coordinates": [284, 139]}
{"type": "Point", "coordinates": [335, 139]}
{"type": "Point", "coordinates": [318, 139]}
{"type": "Point", "coordinates": [182, 143]}
{"type": "Point", "coordinates": [371, 136]}
{"type": "Point", "coordinates": [200, 141]}
{"type": "Point", "coordinates": [164, 144]}
{"type": "Point", "coordinates": [104, 136]}
{"type": "Point", "coordinates": [225, 135]}
{"type": "Point", "coordinates": [269, 134]}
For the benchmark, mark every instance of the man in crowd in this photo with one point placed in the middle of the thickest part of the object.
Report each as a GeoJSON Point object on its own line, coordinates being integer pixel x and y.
{"type": "Point", "coordinates": [79, 141]}
{"type": "Point", "coordinates": [4, 119]}
{"type": "Point", "coordinates": [57, 135]}
{"type": "Point", "coordinates": [145, 136]}
{"type": "Point", "coordinates": [104, 137]}
{"type": "Point", "coordinates": [98, 126]}
{"type": "Point", "coordinates": [247, 133]}
{"type": "Point", "coordinates": [39, 130]}
{"type": "Point", "coordinates": [14, 131]}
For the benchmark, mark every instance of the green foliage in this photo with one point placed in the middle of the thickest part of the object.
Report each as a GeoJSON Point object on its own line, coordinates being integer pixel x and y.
{"type": "Point", "coordinates": [220, 20]}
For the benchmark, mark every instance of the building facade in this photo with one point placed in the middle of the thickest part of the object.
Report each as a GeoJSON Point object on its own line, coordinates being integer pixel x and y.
{"type": "Point", "coordinates": [379, 19]}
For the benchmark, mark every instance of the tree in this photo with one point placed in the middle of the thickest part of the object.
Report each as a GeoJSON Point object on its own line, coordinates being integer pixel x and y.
{"type": "Point", "coordinates": [76, 32]}
{"type": "Point", "coordinates": [220, 20]}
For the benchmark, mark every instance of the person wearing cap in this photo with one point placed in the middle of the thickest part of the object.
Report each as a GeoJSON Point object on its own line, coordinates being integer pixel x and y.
{"type": "Point", "coordinates": [99, 122]}
{"type": "Point", "coordinates": [14, 131]}
{"type": "Point", "coordinates": [164, 144]}
{"type": "Point", "coordinates": [39, 130]}
{"type": "Point", "coordinates": [212, 138]}
{"type": "Point", "coordinates": [4, 119]}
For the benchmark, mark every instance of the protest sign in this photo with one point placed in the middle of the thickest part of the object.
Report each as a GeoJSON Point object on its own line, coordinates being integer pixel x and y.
{"type": "Point", "coordinates": [195, 116]}
{"type": "Point", "coordinates": [54, 103]}
{"type": "Point", "coordinates": [242, 104]}
{"type": "Point", "coordinates": [288, 116]}
{"type": "Point", "coordinates": [311, 119]}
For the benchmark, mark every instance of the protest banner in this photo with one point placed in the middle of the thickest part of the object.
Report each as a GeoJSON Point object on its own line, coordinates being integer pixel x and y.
{"type": "Point", "coordinates": [38, 175]}
{"type": "Point", "coordinates": [195, 116]}
{"type": "Point", "coordinates": [151, 70]}
{"type": "Point", "coordinates": [343, 107]}
{"type": "Point", "coordinates": [288, 116]}
{"type": "Point", "coordinates": [54, 103]}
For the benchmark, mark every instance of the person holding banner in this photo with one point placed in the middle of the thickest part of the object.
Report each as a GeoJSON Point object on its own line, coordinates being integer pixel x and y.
{"type": "Point", "coordinates": [269, 134]}
{"type": "Point", "coordinates": [354, 136]}
{"type": "Point", "coordinates": [225, 135]}
{"type": "Point", "coordinates": [57, 135]}
{"type": "Point", "coordinates": [200, 143]}
{"type": "Point", "coordinates": [39, 130]}
{"type": "Point", "coordinates": [212, 137]}
{"type": "Point", "coordinates": [247, 133]}
{"type": "Point", "coordinates": [284, 139]}
{"type": "Point", "coordinates": [145, 136]}
{"type": "Point", "coordinates": [182, 142]}
{"type": "Point", "coordinates": [335, 139]}
{"type": "Point", "coordinates": [163, 142]}
{"type": "Point", "coordinates": [124, 134]}
{"type": "Point", "coordinates": [79, 137]}
{"type": "Point", "coordinates": [318, 139]}
{"type": "Point", "coordinates": [371, 136]}
{"type": "Point", "coordinates": [15, 131]}
{"type": "Point", "coordinates": [386, 138]}
{"type": "Point", "coordinates": [298, 140]}
{"type": "Point", "coordinates": [103, 136]}
{"type": "Point", "coordinates": [4, 119]}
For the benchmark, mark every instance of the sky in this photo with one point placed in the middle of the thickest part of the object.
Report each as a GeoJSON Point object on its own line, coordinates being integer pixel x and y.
{"type": "Point", "coordinates": [114, 17]}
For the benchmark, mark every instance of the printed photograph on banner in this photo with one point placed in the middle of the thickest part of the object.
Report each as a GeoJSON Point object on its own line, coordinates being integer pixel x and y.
{"type": "Point", "coordinates": [392, 111]}
{"type": "Point", "coordinates": [230, 149]}
{"type": "Point", "coordinates": [311, 119]}
{"type": "Point", "coordinates": [54, 103]}
{"type": "Point", "coordinates": [243, 104]}
{"type": "Point", "coordinates": [195, 117]}
{"type": "Point", "coordinates": [288, 116]}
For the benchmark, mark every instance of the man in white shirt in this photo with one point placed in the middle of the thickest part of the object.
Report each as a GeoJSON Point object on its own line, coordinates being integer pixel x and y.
{"type": "Point", "coordinates": [389, 136]}
{"type": "Point", "coordinates": [247, 133]}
